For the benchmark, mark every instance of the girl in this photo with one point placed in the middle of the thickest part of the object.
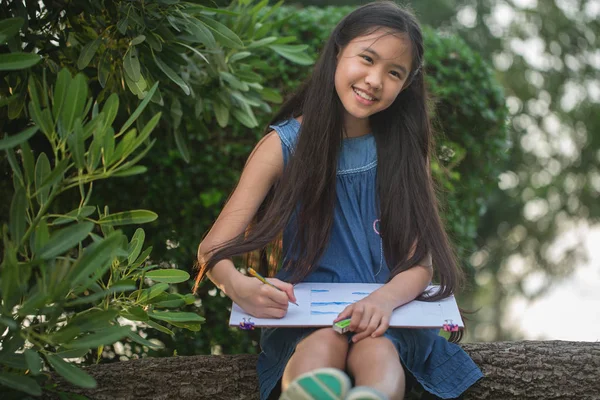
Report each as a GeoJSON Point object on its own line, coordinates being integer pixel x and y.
{"type": "Point", "coordinates": [344, 176]}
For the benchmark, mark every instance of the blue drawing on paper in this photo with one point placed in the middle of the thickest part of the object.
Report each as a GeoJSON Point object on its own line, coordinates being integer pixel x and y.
{"type": "Point", "coordinates": [314, 312]}
{"type": "Point", "coordinates": [319, 290]}
{"type": "Point", "coordinates": [364, 293]}
{"type": "Point", "coordinates": [330, 303]}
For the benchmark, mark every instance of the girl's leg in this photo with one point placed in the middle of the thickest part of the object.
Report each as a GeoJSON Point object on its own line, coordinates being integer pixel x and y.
{"type": "Point", "coordinates": [322, 348]}
{"type": "Point", "coordinates": [374, 362]}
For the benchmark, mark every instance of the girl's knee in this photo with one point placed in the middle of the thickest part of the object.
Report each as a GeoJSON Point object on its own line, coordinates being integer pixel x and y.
{"type": "Point", "coordinates": [380, 349]}
{"type": "Point", "coordinates": [324, 341]}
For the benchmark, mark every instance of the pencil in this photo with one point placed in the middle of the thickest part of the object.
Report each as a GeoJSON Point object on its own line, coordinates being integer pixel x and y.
{"type": "Point", "coordinates": [263, 280]}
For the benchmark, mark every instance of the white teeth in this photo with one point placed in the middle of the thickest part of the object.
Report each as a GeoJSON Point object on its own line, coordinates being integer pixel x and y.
{"type": "Point", "coordinates": [363, 95]}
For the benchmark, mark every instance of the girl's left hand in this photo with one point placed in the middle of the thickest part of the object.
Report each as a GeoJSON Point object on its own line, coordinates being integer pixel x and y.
{"type": "Point", "coordinates": [370, 316]}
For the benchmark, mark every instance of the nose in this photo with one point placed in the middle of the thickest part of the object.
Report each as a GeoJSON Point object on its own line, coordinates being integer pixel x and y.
{"type": "Point", "coordinates": [373, 79]}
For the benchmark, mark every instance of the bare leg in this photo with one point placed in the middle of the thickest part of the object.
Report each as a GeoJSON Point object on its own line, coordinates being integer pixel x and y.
{"type": "Point", "coordinates": [374, 362]}
{"type": "Point", "coordinates": [322, 348]}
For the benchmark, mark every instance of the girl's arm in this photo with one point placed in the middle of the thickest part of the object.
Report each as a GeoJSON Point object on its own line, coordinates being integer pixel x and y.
{"type": "Point", "coordinates": [406, 286]}
{"type": "Point", "coordinates": [263, 168]}
{"type": "Point", "coordinates": [371, 315]}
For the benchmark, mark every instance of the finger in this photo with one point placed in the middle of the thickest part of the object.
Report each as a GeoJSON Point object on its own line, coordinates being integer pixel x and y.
{"type": "Point", "coordinates": [373, 323]}
{"type": "Point", "coordinates": [382, 328]}
{"type": "Point", "coordinates": [274, 297]}
{"type": "Point", "coordinates": [365, 321]}
{"type": "Point", "coordinates": [345, 314]}
{"type": "Point", "coordinates": [357, 315]}
{"type": "Point", "coordinates": [273, 312]}
{"type": "Point", "coordinates": [288, 288]}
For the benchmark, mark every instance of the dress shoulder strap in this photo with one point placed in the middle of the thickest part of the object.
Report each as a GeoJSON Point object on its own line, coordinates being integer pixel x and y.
{"type": "Point", "coordinates": [288, 134]}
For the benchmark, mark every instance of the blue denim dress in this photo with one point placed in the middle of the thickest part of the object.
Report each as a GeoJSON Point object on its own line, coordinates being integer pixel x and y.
{"type": "Point", "coordinates": [354, 254]}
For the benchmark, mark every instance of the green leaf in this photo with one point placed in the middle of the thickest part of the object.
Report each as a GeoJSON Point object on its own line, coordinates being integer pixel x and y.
{"type": "Point", "coordinates": [196, 51]}
{"type": "Point", "coordinates": [144, 342]}
{"type": "Point", "coordinates": [103, 69]}
{"type": "Point", "coordinates": [40, 236]}
{"type": "Point", "coordinates": [88, 320]}
{"type": "Point", "coordinates": [292, 53]}
{"type": "Point", "coordinates": [135, 313]}
{"type": "Point", "coordinates": [137, 87]}
{"type": "Point", "coordinates": [43, 119]}
{"type": "Point", "coordinates": [87, 53]}
{"type": "Point", "coordinates": [94, 258]}
{"type": "Point", "coordinates": [192, 326]}
{"type": "Point", "coordinates": [17, 221]}
{"type": "Point", "coordinates": [60, 91]}
{"type": "Point", "coordinates": [74, 215]}
{"type": "Point", "coordinates": [8, 142]}
{"type": "Point", "coordinates": [110, 110]}
{"type": "Point", "coordinates": [176, 113]}
{"type": "Point", "coordinates": [14, 360]}
{"type": "Point", "coordinates": [73, 353]}
{"type": "Point", "coordinates": [42, 170]}
{"type": "Point", "coordinates": [245, 116]}
{"type": "Point", "coordinates": [182, 145]}
{"type": "Point", "coordinates": [138, 110]}
{"type": "Point", "coordinates": [201, 33]}
{"type": "Point", "coordinates": [92, 298]}
{"type": "Point", "coordinates": [262, 42]}
{"type": "Point", "coordinates": [153, 291]}
{"type": "Point", "coordinates": [8, 322]}
{"type": "Point", "coordinates": [172, 75]}
{"type": "Point", "coordinates": [168, 301]}
{"type": "Point", "coordinates": [70, 372]}
{"type": "Point", "coordinates": [137, 40]}
{"type": "Point", "coordinates": [17, 61]}
{"type": "Point", "coordinates": [76, 143]}
{"type": "Point", "coordinates": [66, 239]}
{"type": "Point", "coordinates": [136, 244]}
{"type": "Point", "coordinates": [222, 33]}
{"type": "Point", "coordinates": [168, 275]}
{"type": "Point", "coordinates": [174, 316]}
{"type": "Point", "coordinates": [222, 114]}
{"type": "Point", "coordinates": [74, 104]}
{"type": "Point", "coordinates": [122, 25]}
{"type": "Point", "coordinates": [239, 56]}
{"type": "Point", "coordinates": [135, 170]}
{"type": "Point", "coordinates": [234, 82]}
{"type": "Point", "coordinates": [100, 338]}
{"type": "Point", "coordinates": [159, 327]}
{"type": "Point", "coordinates": [20, 383]}
{"type": "Point", "coordinates": [56, 174]}
{"type": "Point", "coordinates": [131, 63]}
{"type": "Point", "coordinates": [271, 95]}
{"type": "Point", "coordinates": [128, 218]}
{"type": "Point", "coordinates": [34, 361]}
{"type": "Point", "coordinates": [9, 27]}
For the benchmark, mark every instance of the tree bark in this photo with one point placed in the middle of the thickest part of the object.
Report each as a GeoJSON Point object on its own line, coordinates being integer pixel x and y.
{"type": "Point", "coordinates": [513, 370]}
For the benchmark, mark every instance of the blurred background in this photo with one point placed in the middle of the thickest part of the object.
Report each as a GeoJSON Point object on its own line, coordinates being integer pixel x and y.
{"type": "Point", "coordinates": [516, 89]}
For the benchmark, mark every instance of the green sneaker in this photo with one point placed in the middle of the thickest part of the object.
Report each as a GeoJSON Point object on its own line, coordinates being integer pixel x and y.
{"type": "Point", "coordinates": [320, 384]}
{"type": "Point", "coordinates": [365, 393]}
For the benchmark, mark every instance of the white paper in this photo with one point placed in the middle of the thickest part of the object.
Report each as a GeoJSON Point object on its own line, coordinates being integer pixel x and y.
{"type": "Point", "coordinates": [320, 303]}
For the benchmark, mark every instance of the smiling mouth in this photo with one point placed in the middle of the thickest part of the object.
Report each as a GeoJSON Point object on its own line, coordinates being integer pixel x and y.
{"type": "Point", "coordinates": [363, 95]}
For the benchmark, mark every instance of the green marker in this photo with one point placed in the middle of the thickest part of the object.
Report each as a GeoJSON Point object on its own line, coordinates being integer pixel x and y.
{"type": "Point", "coordinates": [342, 326]}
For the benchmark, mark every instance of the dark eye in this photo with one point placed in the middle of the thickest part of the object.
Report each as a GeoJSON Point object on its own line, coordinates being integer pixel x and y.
{"type": "Point", "coordinates": [396, 74]}
{"type": "Point", "coordinates": [367, 58]}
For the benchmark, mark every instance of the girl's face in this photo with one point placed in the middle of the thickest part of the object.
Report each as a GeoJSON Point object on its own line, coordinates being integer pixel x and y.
{"type": "Point", "coordinates": [371, 71]}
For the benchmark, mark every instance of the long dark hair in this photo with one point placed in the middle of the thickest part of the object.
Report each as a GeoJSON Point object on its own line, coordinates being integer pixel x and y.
{"type": "Point", "coordinates": [407, 199]}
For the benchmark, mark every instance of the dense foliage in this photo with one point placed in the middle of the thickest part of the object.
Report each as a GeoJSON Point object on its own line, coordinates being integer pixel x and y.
{"type": "Point", "coordinates": [72, 75]}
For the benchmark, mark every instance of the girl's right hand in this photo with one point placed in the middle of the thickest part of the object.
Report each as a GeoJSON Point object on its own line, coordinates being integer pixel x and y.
{"type": "Point", "coordinates": [263, 301]}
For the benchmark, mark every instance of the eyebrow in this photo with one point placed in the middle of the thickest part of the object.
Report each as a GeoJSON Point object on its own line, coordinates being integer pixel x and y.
{"type": "Point", "coordinates": [370, 50]}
